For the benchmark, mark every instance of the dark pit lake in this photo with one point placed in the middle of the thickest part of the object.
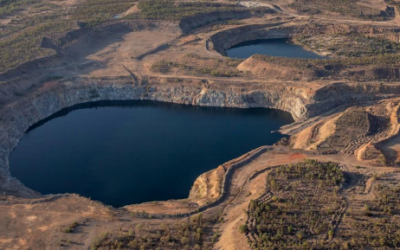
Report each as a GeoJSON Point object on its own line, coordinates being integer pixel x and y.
{"type": "Point", "coordinates": [123, 153]}
{"type": "Point", "coordinates": [270, 47]}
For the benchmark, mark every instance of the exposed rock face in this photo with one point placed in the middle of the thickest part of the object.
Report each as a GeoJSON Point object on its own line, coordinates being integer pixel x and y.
{"type": "Point", "coordinates": [334, 95]}
{"type": "Point", "coordinates": [208, 185]}
{"type": "Point", "coordinates": [300, 101]}
{"type": "Point", "coordinates": [17, 117]}
{"type": "Point", "coordinates": [225, 39]}
{"type": "Point", "coordinates": [367, 129]}
{"type": "Point", "coordinates": [387, 73]}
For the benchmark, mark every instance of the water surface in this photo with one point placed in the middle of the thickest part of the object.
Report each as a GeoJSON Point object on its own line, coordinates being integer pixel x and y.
{"type": "Point", "coordinates": [130, 152]}
{"type": "Point", "coordinates": [271, 47]}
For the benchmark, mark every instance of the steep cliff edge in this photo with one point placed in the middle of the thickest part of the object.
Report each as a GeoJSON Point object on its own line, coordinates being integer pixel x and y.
{"type": "Point", "coordinates": [208, 185]}
{"type": "Point", "coordinates": [301, 101]}
{"type": "Point", "coordinates": [23, 111]}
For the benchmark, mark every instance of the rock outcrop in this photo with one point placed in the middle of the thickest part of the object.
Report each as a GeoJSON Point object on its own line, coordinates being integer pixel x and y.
{"type": "Point", "coordinates": [16, 117]}
{"type": "Point", "coordinates": [208, 185]}
{"type": "Point", "coordinates": [25, 111]}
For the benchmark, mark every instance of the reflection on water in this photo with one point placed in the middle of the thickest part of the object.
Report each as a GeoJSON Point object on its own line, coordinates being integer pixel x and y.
{"type": "Point", "coordinates": [271, 47]}
{"type": "Point", "coordinates": [130, 152]}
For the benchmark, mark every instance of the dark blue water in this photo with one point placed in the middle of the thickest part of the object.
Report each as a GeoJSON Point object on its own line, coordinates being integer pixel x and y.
{"type": "Point", "coordinates": [271, 47]}
{"type": "Point", "coordinates": [130, 152]}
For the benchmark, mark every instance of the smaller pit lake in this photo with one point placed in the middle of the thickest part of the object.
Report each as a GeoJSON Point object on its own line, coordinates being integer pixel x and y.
{"type": "Point", "coordinates": [270, 47]}
{"type": "Point", "coordinates": [123, 153]}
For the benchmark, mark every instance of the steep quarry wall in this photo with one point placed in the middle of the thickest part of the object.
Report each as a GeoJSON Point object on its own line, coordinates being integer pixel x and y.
{"type": "Point", "coordinates": [18, 116]}
{"type": "Point", "coordinates": [343, 93]}
{"type": "Point", "coordinates": [225, 39]}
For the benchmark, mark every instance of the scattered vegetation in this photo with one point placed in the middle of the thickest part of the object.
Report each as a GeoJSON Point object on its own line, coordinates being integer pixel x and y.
{"type": "Point", "coordinates": [182, 235]}
{"type": "Point", "coordinates": [374, 224]}
{"type": "Point", "coordinates": [352, 126]}
{"type": "Point", "coordinates": [305, 210]}
{"type": "Point", "coordinates": [344, 7]}
{"type": "Point", "coordinates": [368, 68]}
{"type": "Point", "coordinates": [106, 2]}
{"type": "Point", "coordinates": [170, 10]}
{"type": "Point", "coordinates": [20, 40]}
{"type": "Point", "coordinates": [387, 201]}
{"type": "Point", "coordinates": [301, 63]}
{"type": "Point", "coordinates": [25, 45]}
{"type": "Point", "coordinates": [244, 228]}
{"type": "Point", "coordinates": [92, 15]}
{"type": "Point", "coordinates": [300, 213]}
{"type": "Point", "coordinates": [349, 45]}
{"type": "Point", "coordinates": [8, 7]}
{"type": "Point", "coordinates": [99, 240]}
{"type": "Point", "coordinates": [71, 227]}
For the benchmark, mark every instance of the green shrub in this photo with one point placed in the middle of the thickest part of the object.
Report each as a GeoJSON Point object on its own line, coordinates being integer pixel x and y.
{"type": "Point", "coordinates": [243, 228]}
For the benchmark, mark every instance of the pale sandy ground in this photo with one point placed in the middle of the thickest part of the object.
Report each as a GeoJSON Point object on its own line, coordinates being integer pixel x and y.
{"type": "Point", "coordinates": [39, 225]}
